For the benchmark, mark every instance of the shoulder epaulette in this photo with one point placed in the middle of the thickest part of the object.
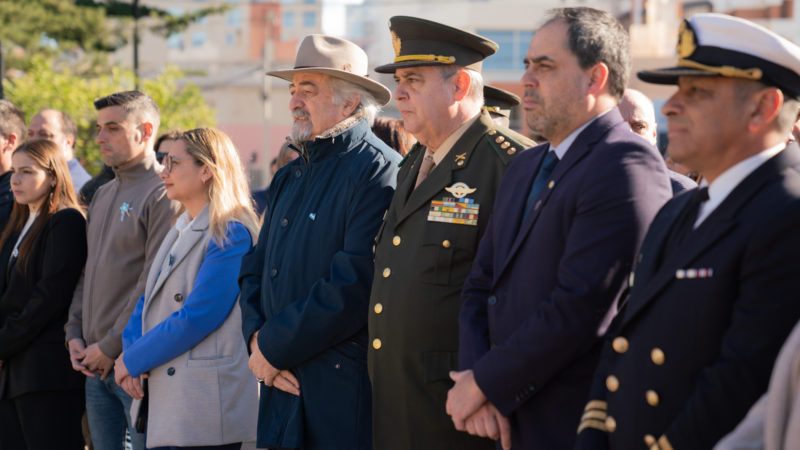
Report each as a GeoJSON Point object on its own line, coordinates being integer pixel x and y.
{"type": "Point", "coordinates": [507, 143]}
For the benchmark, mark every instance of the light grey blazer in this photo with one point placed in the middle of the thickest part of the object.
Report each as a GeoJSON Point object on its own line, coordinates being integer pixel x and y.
{"type": "Point", "coordinates": [208, 395]}
{"type": "Point", "coordinates": [773, 423]}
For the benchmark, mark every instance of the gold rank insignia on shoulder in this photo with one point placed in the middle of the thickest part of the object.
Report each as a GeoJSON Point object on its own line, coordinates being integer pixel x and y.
{"type": "Point", "coordinates": [461, 158]}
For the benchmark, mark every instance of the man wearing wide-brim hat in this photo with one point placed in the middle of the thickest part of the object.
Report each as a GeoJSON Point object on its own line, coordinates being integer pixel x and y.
{"type": "Point", "coordinates": [305, 285]}
{"type": "Point", "coordinates": [445, 195]}
{"type": "Point", "coordinates": [714, 290]}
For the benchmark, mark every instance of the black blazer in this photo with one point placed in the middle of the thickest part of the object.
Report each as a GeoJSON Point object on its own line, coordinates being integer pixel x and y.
{"type": "Point", "coordinates": [33, 308]}
{"type": "Point", "coordinates": [694, 347]}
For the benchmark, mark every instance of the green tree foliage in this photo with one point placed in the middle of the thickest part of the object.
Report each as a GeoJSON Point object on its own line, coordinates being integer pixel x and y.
{"type": "Point", "coordinates": [81, 31]}
{"type": "Point", "coordinates": [42, 86]}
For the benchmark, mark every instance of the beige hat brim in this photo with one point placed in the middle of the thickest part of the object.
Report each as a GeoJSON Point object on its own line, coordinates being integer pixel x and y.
{"type": "Point", "coordinates": [381, 93]}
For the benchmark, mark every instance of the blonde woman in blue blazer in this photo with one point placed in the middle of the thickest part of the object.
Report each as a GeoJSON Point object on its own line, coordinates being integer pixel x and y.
{"type": "Point", "coordinates": [185, 333]}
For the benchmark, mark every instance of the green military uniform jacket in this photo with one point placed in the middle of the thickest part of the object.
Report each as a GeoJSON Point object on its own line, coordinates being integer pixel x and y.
{"type": "Point", "coordinates": [424, 251]}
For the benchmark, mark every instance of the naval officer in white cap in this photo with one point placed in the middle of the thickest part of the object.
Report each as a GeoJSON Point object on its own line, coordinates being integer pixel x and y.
{"type": "Point", "coordinates": [714, 291]}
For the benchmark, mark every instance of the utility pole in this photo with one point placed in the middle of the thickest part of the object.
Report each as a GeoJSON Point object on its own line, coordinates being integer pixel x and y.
{"type": "Point", "coordinates": [2, 71]}
{"type": "Point", "coordinates": [136, 43]}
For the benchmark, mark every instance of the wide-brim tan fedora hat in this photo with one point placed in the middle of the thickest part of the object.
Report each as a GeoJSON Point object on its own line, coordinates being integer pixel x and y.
{"type": "Point", "coordinates": [338, 58]}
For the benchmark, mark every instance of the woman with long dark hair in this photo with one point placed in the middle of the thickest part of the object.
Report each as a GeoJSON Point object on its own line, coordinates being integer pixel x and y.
{"type": "Point", "coordinates": [42, 253]}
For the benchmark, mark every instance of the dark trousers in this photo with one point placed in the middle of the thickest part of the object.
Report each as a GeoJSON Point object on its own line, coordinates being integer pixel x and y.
{"type": "Point", "coordinates": [42, 421]}
{"type": "Point", "coordinates": [235, 446]}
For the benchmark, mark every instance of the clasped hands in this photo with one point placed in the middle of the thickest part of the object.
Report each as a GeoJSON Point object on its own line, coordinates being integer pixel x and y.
{"type": "Point", "coordinates": [473, 413]}
{"type": "Point", "coordinates": [267, 373]}
{"type": "Point", "coordinates": [90, 360]}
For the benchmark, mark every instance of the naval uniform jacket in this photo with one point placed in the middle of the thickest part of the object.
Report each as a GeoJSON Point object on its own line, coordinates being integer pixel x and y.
{"type": "Point", "coordinates": [693, 348]}
{"type": "Point", "coordinates": [420, 266]}
{"type": "Point", "coordinates": [541, 286]}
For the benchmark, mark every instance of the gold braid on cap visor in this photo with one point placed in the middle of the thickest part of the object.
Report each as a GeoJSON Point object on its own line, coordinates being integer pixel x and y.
{"type": "Point", "coordinates": [429, 58]}
{"type": "Point", "coordinates": [726, 71]}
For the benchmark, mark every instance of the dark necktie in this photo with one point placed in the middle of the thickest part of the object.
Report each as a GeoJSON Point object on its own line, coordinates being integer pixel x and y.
{"type": "Point", "coordinates": [685, 223]}
{"type": "Point", "coordinates": [549, 163]}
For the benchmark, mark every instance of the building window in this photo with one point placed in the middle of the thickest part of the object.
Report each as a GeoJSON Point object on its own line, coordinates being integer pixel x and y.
{"type": "Point", "coordinates": [288, 19]}
{"type": "Point", "coordinates": [199, 38]}
{"type": "Point", "coordinates": [234, 18]}
{"type": "Point", "coordinates": [175, 41]}
{"type": "Point", "coordinates": [309, 19]}
{"type": "Point", "coordinates": [230, 39]}
{"type": "Point", "coordinates": [513, 47]}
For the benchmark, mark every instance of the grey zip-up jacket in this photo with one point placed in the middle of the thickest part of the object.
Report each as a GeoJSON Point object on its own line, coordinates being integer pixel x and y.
{"type": "Point", "coordinates": [127, 220]}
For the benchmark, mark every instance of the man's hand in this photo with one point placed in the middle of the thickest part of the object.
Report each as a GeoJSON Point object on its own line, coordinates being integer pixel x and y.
{"type": "Point", "coordinates": [488, 422]}
{"type": "Point", "coordinates": [464, 398]}
{"type": "Point", "coordinates": [76, 349]}
{"type": "Point", "coordinates": [287, 382]}
{"type": "Point", "coordinates": [259, 365]}
{"type": "Point", "coordinates": [96, 361]}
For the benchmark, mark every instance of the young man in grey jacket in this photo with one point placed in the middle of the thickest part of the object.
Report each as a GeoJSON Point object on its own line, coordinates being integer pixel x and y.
{"type": "Point", "coordinates": [126, 222]}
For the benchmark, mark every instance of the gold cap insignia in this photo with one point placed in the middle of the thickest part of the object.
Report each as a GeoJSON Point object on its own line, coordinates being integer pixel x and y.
{"type": "Point", "coordinates": [396, 43]}
{"type": "Point", "coordinates": [460, 190]}
{"type": "Point", "coordinates": [686, 41]}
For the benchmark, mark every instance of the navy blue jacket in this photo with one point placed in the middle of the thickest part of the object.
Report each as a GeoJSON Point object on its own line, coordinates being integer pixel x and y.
{"type": "Point", "coordinates": [539, 289]}
{"type": "Point", "coordinates": [694, 346]}
{"type": "Point", "coordinates": [305, 288]}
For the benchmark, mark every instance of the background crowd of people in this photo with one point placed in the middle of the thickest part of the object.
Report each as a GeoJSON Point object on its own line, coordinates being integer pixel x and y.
{"type": "Point", "coordinates": [435, 282]}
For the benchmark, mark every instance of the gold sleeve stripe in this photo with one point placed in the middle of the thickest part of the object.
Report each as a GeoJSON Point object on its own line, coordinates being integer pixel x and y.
{"type": "Point", "coordinates": [596, 404]}
{"type": "Point", "coordinates": [594, 414]}
{"type": "Point", "coordinates": [663, 443]}
{"type": "Point", "coordinates": [431, 58]}
{"type": "Point", "coordinates": [594, 424]}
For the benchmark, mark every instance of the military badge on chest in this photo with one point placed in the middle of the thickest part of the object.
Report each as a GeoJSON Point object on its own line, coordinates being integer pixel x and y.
{"type": "Point", "coordinates": [458, 209]}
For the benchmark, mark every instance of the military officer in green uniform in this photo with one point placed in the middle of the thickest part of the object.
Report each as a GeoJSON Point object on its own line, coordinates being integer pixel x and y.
{"type": "Point", "coordinates": [424, 250]}
{"type": "Point", "coordinates": [499, 103]}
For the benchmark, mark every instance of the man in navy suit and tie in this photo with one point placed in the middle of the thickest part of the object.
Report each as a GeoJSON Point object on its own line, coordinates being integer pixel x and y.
{"type": "Point", "coordinates": [568, 219]}
{"type": "Point", "coordinates": [715, 290]}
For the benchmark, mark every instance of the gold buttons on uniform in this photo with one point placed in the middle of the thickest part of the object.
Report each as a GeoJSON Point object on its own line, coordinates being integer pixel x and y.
{"type": "Point", "coordinates": [505, 145]}
{"type": "Point", "coordinates": [652, 397]}
{"type": "Point", "coordinates": [396, 240]}
{"type": "Point", "coordinates": [612, 383]}
{"type": "Point", "coordinates": [620, 345]}
{"type": "Point", "coordinates": [551, 184]}
{"type": "Point", "coordinates": [386, 272]}
{"type": "Point", "coordinates": [500, 139]}
{"type": "Point", "coordinates": [446, 243]}
{"type": "Point", "coordinates": [511, 151]}
{"type": "Point", "coordinates": [378, 308]}
{"type": "Point", "coordinates": [611, 424]}
{"type": "Point", "coordinates": [492, 132]}
{"type": "Point", "coordinates": [649, 440]}
{"type": "Point", "coordinates": [657, 355]}
{"type": "Point", "coordinates": [376, 344]}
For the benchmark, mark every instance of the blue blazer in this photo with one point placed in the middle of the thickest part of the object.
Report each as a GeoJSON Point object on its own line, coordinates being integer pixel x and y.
{"type": "Point", "coordinates": [540, 289]}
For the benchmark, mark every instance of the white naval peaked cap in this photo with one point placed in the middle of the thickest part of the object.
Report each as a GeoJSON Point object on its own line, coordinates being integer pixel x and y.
{"type": "Point", "coordinates": [713, 44]}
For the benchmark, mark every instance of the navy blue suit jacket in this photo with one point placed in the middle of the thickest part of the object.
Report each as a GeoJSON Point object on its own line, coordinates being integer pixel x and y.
{"type": "Point", "coordinates": [540, 289]}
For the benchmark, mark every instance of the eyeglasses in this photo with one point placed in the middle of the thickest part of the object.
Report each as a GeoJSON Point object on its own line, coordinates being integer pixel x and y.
{"type": "Point", "coordinates": [170, 162]}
